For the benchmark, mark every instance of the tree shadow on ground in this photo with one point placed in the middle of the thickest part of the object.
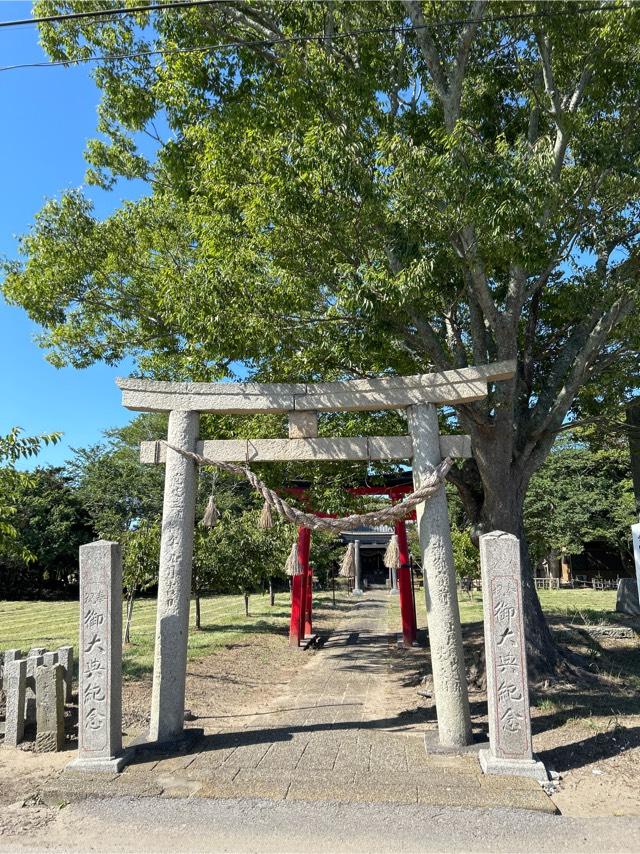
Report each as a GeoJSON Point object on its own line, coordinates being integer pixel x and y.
{"type": "Point", "coordinates": [261, 627]}
{"type": "Point", "coordinates": [603, 745]}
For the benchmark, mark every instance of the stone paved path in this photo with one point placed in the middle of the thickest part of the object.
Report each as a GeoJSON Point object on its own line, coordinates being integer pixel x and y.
{"type": "Point", "coordinates": [334, 734]}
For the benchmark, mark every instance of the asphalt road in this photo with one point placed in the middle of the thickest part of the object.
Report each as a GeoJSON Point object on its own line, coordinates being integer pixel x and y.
{"type": "Point", "coordinates": [194, 825]}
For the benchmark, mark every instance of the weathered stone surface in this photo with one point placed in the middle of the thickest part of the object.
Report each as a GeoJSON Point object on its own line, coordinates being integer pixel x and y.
{"type": "Point", "coordinates": [484, 373]}
{"type": "Point", "coordinates": [174, 589]}
{"type": "Point", "coordinates": [35, 659]}
{"type": "Point", "coordinates": [443, 615]}
{"type": "Point", "coordinates": [457, 385]}
{"type": "Point", "coordinates": [50, 708]}
{"type": "Point", "coordinates": [8, 656]}
{"type": "Point", "coordinates": [635, 536]}
{"type": "Point", "coordinates": [65, 658]}
{"type": "Point", "coordinates": [627, 599]}
{"type": "Point", "coordinates": [272, 450]}
{"type": "Point", "coordinates": [100, 662]}
{"type": "Point", "coordinates": [50, 658]}
{"type": "Point", "coordinates": [232, 398]}
{"type": "Point", "coordinates": [36, 651]}
{"type": "Point", "coordinates": [506, 660]}
{"type": "Point", "coordinates": [15, 683]}
{"type": "Point", "coordinates": [339, 448]}
{"type": "Point", "coordinates": [303, 425]}
{"type": "Point", "coordinates": [455, 446]}
{"type": "Point", "coordinates": [395, 398]}
{"type": "Point", "coordinates": [617, 632]}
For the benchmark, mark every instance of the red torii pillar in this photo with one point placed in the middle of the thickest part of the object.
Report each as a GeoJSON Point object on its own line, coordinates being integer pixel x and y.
{"type": "Point", "coordinates": [409, 628]}
{"type": "Point", "coordinates": [300, 623]}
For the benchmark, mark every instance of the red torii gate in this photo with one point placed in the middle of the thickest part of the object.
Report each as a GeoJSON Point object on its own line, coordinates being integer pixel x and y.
{"type": "Point", "coordinates": [301, 622]}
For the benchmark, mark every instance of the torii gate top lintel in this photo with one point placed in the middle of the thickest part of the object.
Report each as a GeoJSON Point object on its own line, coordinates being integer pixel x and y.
{"type": "Point", "coordinates": [458, 385]}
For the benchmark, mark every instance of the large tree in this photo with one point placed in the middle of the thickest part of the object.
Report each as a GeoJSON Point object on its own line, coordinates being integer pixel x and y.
{"type": "Point", "coordinates": [356, 188]}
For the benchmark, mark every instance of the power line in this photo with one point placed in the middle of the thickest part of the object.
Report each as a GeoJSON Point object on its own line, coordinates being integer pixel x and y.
{"type": "Point", "coordinates": [276, 40]}
{"type": "Point", "coordinates": [101, 13]}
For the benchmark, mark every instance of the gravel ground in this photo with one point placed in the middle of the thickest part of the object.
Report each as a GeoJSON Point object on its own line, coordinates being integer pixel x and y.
{"type": "Point", "coordinates": [190, 825]}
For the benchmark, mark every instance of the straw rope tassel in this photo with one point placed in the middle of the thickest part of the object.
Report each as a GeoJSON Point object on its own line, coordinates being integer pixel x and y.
{"type": "Point", "coordinates": [292, 566]}
{"type": "Point", "coordinates": [266, 517]}
{"type": "Point", "coordinates": [391, 557]}
{"type": "Point", "coordinates": [211, 514]}
{"type": "Point", "coordinates": [348, 567]}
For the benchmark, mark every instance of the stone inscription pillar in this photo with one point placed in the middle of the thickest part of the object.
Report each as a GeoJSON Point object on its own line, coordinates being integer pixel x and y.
{"type": "Point", "coordinates": [506, 660]}
{"type": "Point", "coordinates": [443, 615]}
{"type": "Point", "coordinates": [174, 587]}
{"type": "Point", "coordinates": [100, 662]}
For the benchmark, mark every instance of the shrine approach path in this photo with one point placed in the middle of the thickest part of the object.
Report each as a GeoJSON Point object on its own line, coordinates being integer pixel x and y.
{"type": "Point", "coordinates": [343, 729]}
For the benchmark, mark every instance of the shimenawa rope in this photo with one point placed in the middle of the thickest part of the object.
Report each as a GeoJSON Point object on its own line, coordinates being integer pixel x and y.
{"type": "Point", "coordinates": [391, 513]}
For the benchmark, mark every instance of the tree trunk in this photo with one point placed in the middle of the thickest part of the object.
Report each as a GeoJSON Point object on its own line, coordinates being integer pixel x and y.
{"type": "Point", "coordinates": [197, 610]}
{"type": "Point", "coordinates": [246, 604]}
{"type": "Point", "coordinates": [503, 510]}
{"type": "Point", "coordinates": [127, 627]}
{"type": "Point", "coordinates": [272, 593]}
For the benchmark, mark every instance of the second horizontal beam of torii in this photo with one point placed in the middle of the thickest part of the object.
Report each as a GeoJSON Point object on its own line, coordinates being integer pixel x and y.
{"type": "Point", "coordinates": [460, 385]}
{"type": "Point", "coordinates": [365, 448]}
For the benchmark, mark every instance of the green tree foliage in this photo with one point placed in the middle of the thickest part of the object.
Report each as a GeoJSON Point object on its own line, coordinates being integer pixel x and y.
{"type": "Point", "coordinates": [465, 554]}
{"type": "Point", "coordinates": [50, 524]}
{"type": "Point", "coordinates": [14, 447]}
{"type": "Point", "coordinates": [116, 489]}
{"type": "Point", "coordinates": [581, 495]}
{"type": "Point", "coordinates": [424, 186]}
{"type": "Point", "coordinates": [140, 563]}
{"type": "Point", "coordinates": [238, 556]}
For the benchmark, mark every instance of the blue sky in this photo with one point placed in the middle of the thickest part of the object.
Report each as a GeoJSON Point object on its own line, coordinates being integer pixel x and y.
{"type": "Point", "coordinates": [49, 113]}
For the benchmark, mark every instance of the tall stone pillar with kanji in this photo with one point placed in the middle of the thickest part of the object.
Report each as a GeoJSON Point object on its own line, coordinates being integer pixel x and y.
{"type": "Point", "coordinates": [100, 664]}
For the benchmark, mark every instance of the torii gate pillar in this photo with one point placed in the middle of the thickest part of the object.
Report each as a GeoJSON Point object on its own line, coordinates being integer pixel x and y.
{"type": "Point", "coordinates": [443, 614]}
{"type": "Point", "coordinates": [174, 586]}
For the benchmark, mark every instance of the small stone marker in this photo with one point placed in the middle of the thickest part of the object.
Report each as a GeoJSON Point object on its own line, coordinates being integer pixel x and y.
{"type": "Point", "coordinates": [510, 749]}
{"type": "Point", "coordinates": [35, 659]}
{"type": "Point", "coordinates": [15, 682]}
{"type": "Point", "coordinates": [65, 657]}
{"type": "Point", "coordinates": [627, 600]}
{"type": "Point", "coordinates": [8, 656]}
{"type": "Point", "coordinates": [100, 662]}
{"type": "Point", "coordinates": [50, 708]}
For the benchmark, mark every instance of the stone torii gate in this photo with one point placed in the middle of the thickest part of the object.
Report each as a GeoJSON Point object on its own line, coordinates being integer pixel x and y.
{"type": "Point", "coordinates": [423, 446]}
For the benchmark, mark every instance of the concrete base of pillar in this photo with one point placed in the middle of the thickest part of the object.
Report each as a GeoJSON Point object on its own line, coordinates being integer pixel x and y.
{"type": "Point", "coordinates": [182, 742]}
{"type": "Point", "coordinates": [432, 745]}
{"type": "Point", "coordinates": [400, 642]}
{"type": "Point", "coordinates": [113, 765]}
{"type": "Point", "coordinates": [515, 767]}
{"type": "Point", "coordinates": [357, 592]}
{"type": "Point", "coordinates": [394, 591]}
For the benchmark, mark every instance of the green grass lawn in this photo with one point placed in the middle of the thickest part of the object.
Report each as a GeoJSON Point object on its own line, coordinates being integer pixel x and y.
{"type": "Point", "coordinates": [52, 624]}
{"type": "Point", "coordinates": [578, 605]}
